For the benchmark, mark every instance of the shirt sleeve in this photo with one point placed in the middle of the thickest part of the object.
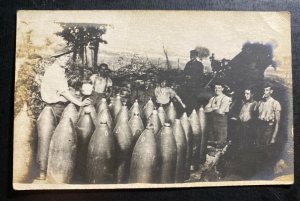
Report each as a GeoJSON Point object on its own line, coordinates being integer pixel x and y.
{"type": "Point", "coordinates": [224, 106]}
{"type": "Point", "coordinates": [209, 104]}
{"type": "Point", "coordinates": [61, 83]}
{"type": "Point", "coordinates": [277, 106]}
{"type": "Point", "coordinates": [92, 78]}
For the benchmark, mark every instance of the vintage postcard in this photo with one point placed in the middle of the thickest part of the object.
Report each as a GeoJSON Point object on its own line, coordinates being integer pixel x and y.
{"type": "Point", "coordinates": [152, 99]}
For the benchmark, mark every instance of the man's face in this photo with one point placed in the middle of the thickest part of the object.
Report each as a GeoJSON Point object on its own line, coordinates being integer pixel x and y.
{"type": "Point", "coordinates": [62, 61]}
{"type": "Point", "coordinates": [193, 57]}
{"type": "Point", "coordinates": [267, 92]}
{"type": "Point", "coordinates": [248, 95]}
{"type": "Point", "coordinates": [163, 83]}
{"type": "Point", "coordinates": [147, 84]}
{"type": "Point", "coordinates": [219, 89]}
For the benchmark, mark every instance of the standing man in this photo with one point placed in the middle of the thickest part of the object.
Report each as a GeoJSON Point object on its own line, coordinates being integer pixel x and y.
{"type": "Point", "coordinates": [194, 68]}
{"type": "Point", "coordinates": [102, 83]}
{"type": "Point", "coordinates": [218, 107]}
{"type": "Point", "coordinates": [55, 93]}
{"type": "Point", "coordinates": [54, 87]}
{"type": "Point", "coordinates": [246, 118]}
{"type": "Point", "coordinates": [268, 118]}
{"type": "Point", "coordinates": [164, 94]}
{"type": "Point", "coordinates": [193, 74]}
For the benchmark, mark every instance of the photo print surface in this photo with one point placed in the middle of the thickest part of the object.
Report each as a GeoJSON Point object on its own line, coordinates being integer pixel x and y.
{"type": "Point", "coordinates": [152, 99]}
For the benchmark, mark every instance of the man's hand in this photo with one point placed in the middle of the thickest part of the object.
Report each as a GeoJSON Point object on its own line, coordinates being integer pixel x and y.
{"type": "Point", "coordinates": [86, 102]}
{"type": "Point", "coordinates": [272, 141]}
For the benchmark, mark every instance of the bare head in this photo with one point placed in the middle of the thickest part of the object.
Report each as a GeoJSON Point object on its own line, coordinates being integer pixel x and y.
{"type": "Point", "coordinates": [268, 90]}
{"type": "Point", "coordinates": [219, 88]}
{"type": "Point", "coordinates": [248, 94]}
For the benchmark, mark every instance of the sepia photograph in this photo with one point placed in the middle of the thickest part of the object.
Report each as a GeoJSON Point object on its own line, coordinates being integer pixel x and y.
{"type": "Point", "coordinates": [118, 99]}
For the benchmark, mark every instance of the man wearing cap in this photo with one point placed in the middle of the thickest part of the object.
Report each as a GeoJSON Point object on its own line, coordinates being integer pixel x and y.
{"type": "Point", "coordinates": [193, 73]}
{"type": "Point", "coordinates": [102, 84]}
{"type": "Point", "coordinates": [268, 117]}
{"type": "Point", "coordinates": [54, 87]}
{"type": "Point", "coordinates": [218, 107]}
{"type": "Point", "coordinates": [194, 68]}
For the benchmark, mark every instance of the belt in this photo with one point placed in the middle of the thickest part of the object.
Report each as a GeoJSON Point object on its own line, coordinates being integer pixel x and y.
{"type": "Point", "coordinates": [58, 103]}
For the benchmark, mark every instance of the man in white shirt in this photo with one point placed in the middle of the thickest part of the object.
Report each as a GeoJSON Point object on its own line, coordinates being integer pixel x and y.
{"type": "Point", "coordinates": [54, 87]}
{"type": "Point", "coordinates": [218, 107]}
{"type": "Point", "coordinates": [102, 84]}
{"type": "Point", "coordinates": [164, 94]}
{"type": "Point", "coordinates": [268, 118]}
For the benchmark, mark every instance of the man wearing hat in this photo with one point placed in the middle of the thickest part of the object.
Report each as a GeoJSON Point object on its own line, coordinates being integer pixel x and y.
{"type": "Point", "coordinates": [54, 87]}
{"type": "Point", "coordinates": [193, 73]}
{"type": "Point", "coordinates": [218, 107]}
{"type": "Point", "coordinates": [194, 68]}
{"type": "Point", "coordinates": [101, 82]}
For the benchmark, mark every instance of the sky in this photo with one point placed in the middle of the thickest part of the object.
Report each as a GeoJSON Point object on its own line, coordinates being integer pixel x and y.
{"type": "Point", "coordinates": [146, 32]}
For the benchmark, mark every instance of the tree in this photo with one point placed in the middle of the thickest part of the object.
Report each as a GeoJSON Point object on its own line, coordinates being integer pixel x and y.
{"type": "Point", "coordinates": [203, 52]}
{"type": "Point", "coordinates": [79, 36]}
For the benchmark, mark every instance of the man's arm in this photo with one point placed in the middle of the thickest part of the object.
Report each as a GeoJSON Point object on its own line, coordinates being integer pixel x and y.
{"type": "Point", "coordinates": [209, 107]}
{"type": "Point", "coordinates": [67, 95]}
{"type": "Point", "coordinates": [277, 111]}
{"type": "Point", "coordinates": [179, 100]}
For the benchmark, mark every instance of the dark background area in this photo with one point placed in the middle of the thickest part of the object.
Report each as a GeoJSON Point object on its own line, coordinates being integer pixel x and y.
{"type": "Point", "coordinates": [7, 56]}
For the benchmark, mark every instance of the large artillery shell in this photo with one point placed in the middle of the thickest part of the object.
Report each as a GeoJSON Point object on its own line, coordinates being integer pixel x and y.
{"type": "Point", "coordinates": [117, 106]}
{"type": "Point", "coordinates": [23, 146]}
{"type": "Point", "coordinates": [167, 154]}
{"type": "Point", "coordinates": [135, 109]}
{"type": "Point", "coordinates": [62, 153]}
{"type": "Point", "coordinates": [161, 115]}
{"type": "Point", "coordinates": [124, 140]}
{"type": "Point", "coordinates": [148, 109]}
{"type": "Point", "coordinates": [85, 128]}
{"type": "Point", "coordinates": [70, 112]}
{"type": "Point", "coordinates": [204, 134]}
{"type": "Point", "coordinates": [155, 122]}
{"type": "Point", "coordinates": [101, 157]}
{"type": "Point", "coordinates": [137, 127]}
{"type": "Point", "coordinates": [181, 145]}
{"type": "Point", "coordinates": [102, 106]}
{"type": "Point", "coordinates": [46, 124]}
{"type": "Point", "coordinates": [171, 113]}
{"type": "Point", "coordinates": [189, 138]}
{"type": "Point", "coordinates": [122, 115]}
{"type": "Point", "coordinates": [196, 128]}
{"type": "Point", "coordinates": [105, 117]}
{"type": "Point", "coordinates": [144, 159]}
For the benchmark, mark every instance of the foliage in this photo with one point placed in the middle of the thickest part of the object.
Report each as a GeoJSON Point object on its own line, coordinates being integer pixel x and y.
{"type": "Point", "coordinates": [203, 52]}
{"type": "Point", "coordinates": [27, 87]}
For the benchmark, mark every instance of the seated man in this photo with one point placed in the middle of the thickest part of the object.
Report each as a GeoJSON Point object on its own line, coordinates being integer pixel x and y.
{"type": "Point", "coordinates": [218, 107]}
{"type": "Point", "coordinates": [164, 94]}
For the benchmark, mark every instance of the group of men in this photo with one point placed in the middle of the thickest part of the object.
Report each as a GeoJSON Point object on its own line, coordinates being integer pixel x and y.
{"type": "Point", "coordinates": [262, 115]}
{"type": "Point", "coordinates": [256, 122]}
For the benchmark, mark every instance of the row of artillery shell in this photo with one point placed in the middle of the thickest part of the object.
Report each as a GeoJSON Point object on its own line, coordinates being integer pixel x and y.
{"type": "Point", "coordinates": [98, 155]}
